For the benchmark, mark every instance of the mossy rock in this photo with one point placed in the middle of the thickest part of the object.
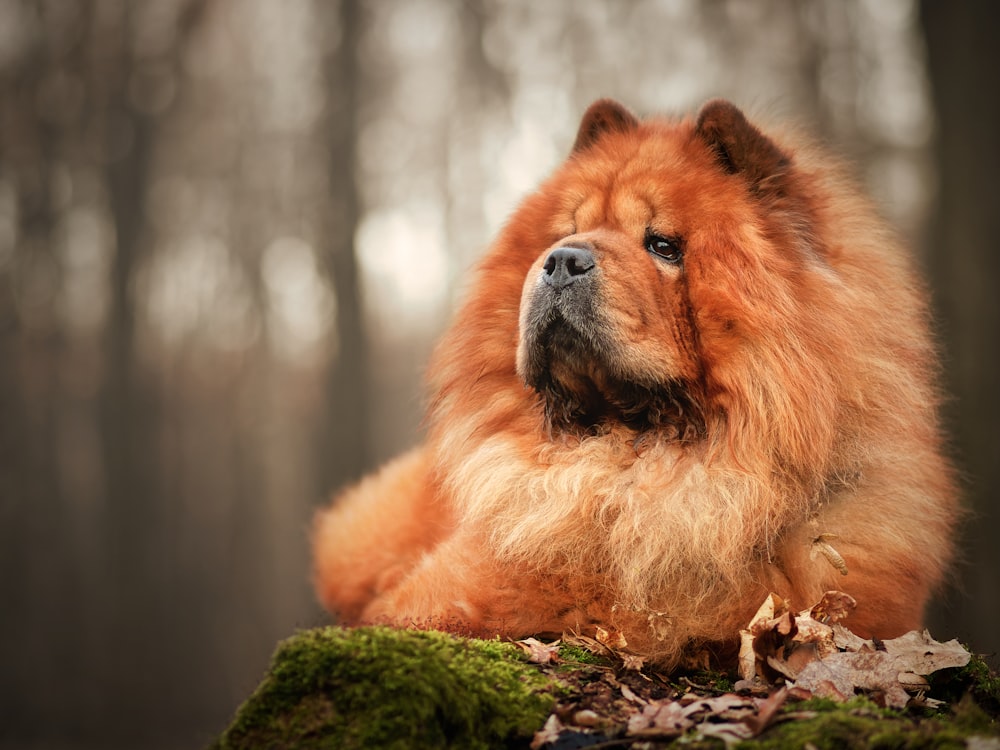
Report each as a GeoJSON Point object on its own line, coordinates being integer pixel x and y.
{"type": "Point", "coordinates": [861, 724]}
{"type": "Point", "coordinates": [386, 688]}
{"type": "Point", "coordinates": [378, 687]}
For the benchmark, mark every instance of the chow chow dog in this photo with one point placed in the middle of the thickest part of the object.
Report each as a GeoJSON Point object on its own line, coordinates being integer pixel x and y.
{"type": "Point", "coordinates": [694, 368]}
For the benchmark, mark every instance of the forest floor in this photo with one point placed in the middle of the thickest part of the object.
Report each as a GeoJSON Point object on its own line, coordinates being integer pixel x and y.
{"type": "Point", "coordinates": [804, 681]}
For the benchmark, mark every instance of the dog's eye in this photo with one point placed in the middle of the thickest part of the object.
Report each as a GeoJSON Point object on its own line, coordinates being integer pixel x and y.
{"type": "Point", "coordinates": [664, 247]}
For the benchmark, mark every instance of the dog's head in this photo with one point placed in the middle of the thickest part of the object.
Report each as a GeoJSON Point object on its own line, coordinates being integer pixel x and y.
{"type": "Point", "coordinates": [658, 227]}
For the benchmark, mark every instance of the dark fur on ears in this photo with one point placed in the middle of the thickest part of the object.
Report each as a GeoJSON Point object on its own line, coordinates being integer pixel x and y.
{"type": "Point", "coordinates": [740, 147]}
{"type": "Point", "coordinates": [603, 116]}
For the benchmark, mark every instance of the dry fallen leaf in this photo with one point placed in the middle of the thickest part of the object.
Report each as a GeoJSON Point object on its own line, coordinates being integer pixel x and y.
{"type": "Point", "coordinates": [790, 664]}
{"type": "Point", "coordinates": [747, 657]}
{"type": "Point", "coordinates": [613, 639]}
{"type": "Point", "coordinates": [840, 674]}
{"type": "Point", "coordinates": [586, 718]}
{"type": "Point", "coordinates": [722, 706]}
{"type": "Point", "coordinates": [587, 643]}
{"type": "Point", "coordinates": [899, 665]}
{"type": "Point", "coordinates": [767, 710]}
{"type": "Point", "coordinates": [811, 652]}
{"type": "Point", "coordinates": [845, 640]}
{"type": "Point", "coordinates": [661, 719]}
{"type": "Point", "coordinates": [629, 695]}
{"type": "Point", "coordinates": [821, 657]}
{"type": "Point", "coordinates": [773, 606]}
{"type": "Point", "coordinates": [730, 733]}
{"type": "Point", "coordinates": [833, 607]}
{"type": "Point", "coordinates": [548, 733]}
{"type": "Point", "coordinates": [633, 662]}
{"type": "Point", "coordinates": [785, 644]}
{"type": "Point", "coordinates": [672, 718]}
{"type": "Point", "coordinates": [538, 652]}
{"type": "Point", "coordinates": [748, 726]}
{"type": "Point", "coordinates": [917, 652]}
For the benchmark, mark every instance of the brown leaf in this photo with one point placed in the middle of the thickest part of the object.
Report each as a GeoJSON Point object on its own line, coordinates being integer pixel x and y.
{"type": "Point", "coordinates": [917, 652]}
{"type": "Point", "coordinates": [912, 682]}
{"type": "Point", "coordinates": [833, 607]}
{"type": "Point", "coordinates": [755, 687]}
{"type": "Point", "coordinates": [586, 718]}
{"type": "Point", "coordinates": [730, 733]}
{"type": "Point", "coordinates": [662, 718]}
{"type": "Point", "coordinates": [785, 625]}
{"type": "Point", "coordinates": [845, 640]}
{"type": "Point", "coordinates": [794, 662]}
{"type": "Point", "coordinates": [659, 623]}
{"type": "Point", "coordinates": [613, 639]}
{"type": "Point", "coordinates": [538, 652]}
{"type": "Point", "coordinates": [587, 643]}
{"type": "Point", "coordinates": [838, 675]}
{"type": "Point", "coordinates": [670, 718]}
{"type": "Point", "coordinates": [749, 660]}
{"type": "Point", "coordinates": [696, 659]}
{"type": "Point", "coordinates": [767, 710]}
{"type": "Point", "coordinates": [817, 634]}
{"type": "Point", "coordinates": [773, 606]}
{"type": "Point", "coordinates": [774, 642]}
{"type": "Point", "coordinates": [923, 701]}
{"type": "Point", "coordinates": [633, 662]}
{"type": "Point", "coordinates": [719, 706]}
{"type": "Point", "coordinates": [890, 671]}
{"type": "Point", "coordinates": [810, 640]}
{"type": "Point", "coordinates": [548, 733]}
{"type": "Point", "coordinates": [824, 658]}
{"type": "Point", "coordinates": [629, 695]}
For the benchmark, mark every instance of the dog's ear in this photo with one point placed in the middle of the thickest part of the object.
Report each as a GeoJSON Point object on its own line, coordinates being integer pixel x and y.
{"type": "Point", "coordinates": [603, 116]}
{"type": "Point", "coordinates": [740, 147]}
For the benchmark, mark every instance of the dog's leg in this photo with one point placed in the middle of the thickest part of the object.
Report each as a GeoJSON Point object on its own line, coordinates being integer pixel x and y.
{"type": "Point", "coordinates": [459, 586]}
{"type": "Point", "coordinates": [374, 534]}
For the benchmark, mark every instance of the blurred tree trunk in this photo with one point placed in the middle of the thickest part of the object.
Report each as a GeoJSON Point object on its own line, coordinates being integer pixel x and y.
{"type": "Point", "coordinates": [127, 408]}
{"type": "Point", "coordinates": [344, 448]}
{"type": "Point", "coordinates": [33, 521]}
{"type": "Point", "coordinates": [135, 592]}
{"type": "Point", "coordinates": [964, 259]}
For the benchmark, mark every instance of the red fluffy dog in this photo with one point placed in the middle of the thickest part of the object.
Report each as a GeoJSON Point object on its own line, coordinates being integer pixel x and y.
{"type": "Point", "coordinates": [691, 361]}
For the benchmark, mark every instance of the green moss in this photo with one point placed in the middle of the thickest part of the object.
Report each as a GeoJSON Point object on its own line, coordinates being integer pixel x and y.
{"type": "Point", "coordinates": [968, 716]}
{"type": "Point", "coordinates": [837, 730]}
{"type": "Point", "coordinates": [716, 681]}
{"type": "Point", "coordinates": [701, 681]}
{"type": "Point", "coordinates": [975, 678]}
{"type": "Point", "coordinates": [983, 683]}
{"type": "Point", "coordinates": [860, 723]}
{"type": "Point", "coordinates": [577, 655]}
{"type": "Point", "coordinates": [379, 687]}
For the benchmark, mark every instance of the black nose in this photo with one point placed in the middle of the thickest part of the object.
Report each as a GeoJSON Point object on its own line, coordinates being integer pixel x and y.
{"type": "Point", "coordinates": [564, 265]}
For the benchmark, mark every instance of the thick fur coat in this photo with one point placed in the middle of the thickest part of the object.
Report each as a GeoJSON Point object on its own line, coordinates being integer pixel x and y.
{"type": "Point", "coordinates": [694, 368]}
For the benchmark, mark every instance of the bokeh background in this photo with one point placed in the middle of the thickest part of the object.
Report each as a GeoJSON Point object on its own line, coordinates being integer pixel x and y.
{"type": "Point", "coordinates": [231, 229]}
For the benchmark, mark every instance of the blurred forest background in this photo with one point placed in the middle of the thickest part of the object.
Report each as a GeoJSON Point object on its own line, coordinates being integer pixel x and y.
{"type": "Point", "coordinates": [231, 229]}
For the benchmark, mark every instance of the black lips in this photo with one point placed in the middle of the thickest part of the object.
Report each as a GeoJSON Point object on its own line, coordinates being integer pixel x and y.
{"type": "Point", "coordinates": [575, 363]}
